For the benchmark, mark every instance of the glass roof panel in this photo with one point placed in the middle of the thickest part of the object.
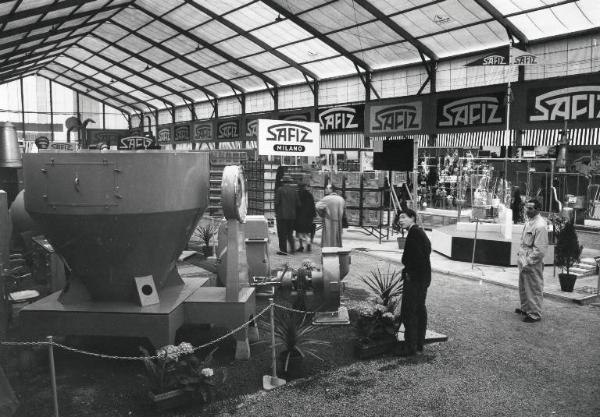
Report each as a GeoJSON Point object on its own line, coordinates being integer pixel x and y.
{"type": "Point", "coordinates": [42, 30]}
{"type": "Point", "coordinates": [7, 39]}
{"type": "Point", "coordinates": [85, 69]}
{"type": "Point", "coordinates": [158, 91]}
{"type": "Point", "coordinates": [286, 76]}
{"type": "Point", "coordinates": [179, 67]}
{"type": "Point", "coordinates": [157, 55]}
{"type": "Point", "coordinates": [52, 38]}
{"type": "Point", "coordinates": [142, 97]}
{"type": "Point", "coordinates": [391, 55]}
{"type": "Point", "coordinates": [334, 67]}
{"type": "Point", "coordinates": [6, 8]}
{"type": "Point", "coordinates": [156, 75]}
{"type": "Point", "coordinates": [250, 83]}
{"type": "Point", "coordinates": [93, 5]}
{"type": "Point", "coordinates": [463, 40]}
{"type": "Point", "coordinates": [93, 83]}
{"type": "Point", "coordinates": [6, 51]}
{"type": "Point", "coordinates": [44, 48]}
{"type": "Point", "coordinates": [82, 30]}
{"type": "Point", "coordinates": [92, 43]}
{"type": "Point", "coordinates": [80, 54]}
{"type": "Point", "coordinates": [135, 64]}
{"type": "Point", "coordinates": [133, 19]}
{"type": "Point", "coordinates": [222, 6]}
{"type": "Point", "coordinates": [159, 7]}
{"type": "Point", "coordinates": [201, 78]}
{"type": "Point", "coordinates": [361, 37]}
{"type": "Point", "coordinates": [122, 87]}
{"type": "Point", "coordinates": [220, 89]}
{"type": "Point", "coordinates": [229, 70]}
{"type": "Point", "coordinates": [110, 32]}
{"type": "Point", "coordinates": [337, 15]}
{"type": "Point", "coordinates": [59, 13]}
{"type": "Point", "coordinates": [118, 72]}
{"type": "Point", "coordinates": [213, 31]}
{"type": "Point", "coordinates": [98, 62]}
{"type": "Point", "coordinates": [72, 23]}
{"type": "Point", "coordinates": [102, 78]}
{"type": "Point", "coordinates": [73, 75]}
{"type": "Point", "coordinates": [509, 7]}
{"type": "Point", "coordinates": [175, 99]}
{"type": "Point", "coordinates": [134, 43]}
{"type": "Point", "coordinates": [239, 46]}
{"type": "Point", "coordinates": [206, 57]}
{"type": "Point", "coordinates": [281, 33]}
{"type": "Point", "coordinates": [176, 84]}
{"type": "Point", "coordinates": [265, 62]}
{"type": "Point", "coordinates": [308, 51]}
{"type": "Point", "coordinates": [187, 17]}
{"type": "Point", "coordinates": [26, 45]}
{"type": "Point", "coordinates": [252, 16]}
{"type": "Point", "coordinates": [139, 81]}
{"type": "Point", "coordinates": [156, 103]}
{"type": "Point", "coordinates": [100, 16]}
{"type": "Point", "coordinates": [115, 54]}
{"type": "Point", "coordinates": [157, 31]}
{"type": "Point", "coordinates": [180, 44]}
{"type": "Point", "coordinates": [13, 24]}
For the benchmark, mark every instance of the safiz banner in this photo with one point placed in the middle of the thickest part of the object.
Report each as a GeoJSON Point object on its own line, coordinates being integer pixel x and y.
{"type": "Point", "coordinates": [348, 118]}
{"type": "Point", "coordinates": [551, 103]}
{"type": "Point", "coordinates": [165, 134]}
{"type": "Point", "coordinates": [396, 117]}
{"type": "Point", "coordinates": [228, 129]}
{"type": "Point", "coordinates": [202, 130]}
{"type": "Point", "coordinates": [471, 110]}
{"type": "Point", "coordinates": [110, 137]}
{"type": "Point", "coordinates": [288, 138]}
{"type": "Point", "coordinates": [251, 124]}
{"type": "Point", "coordinates": [182, 132]}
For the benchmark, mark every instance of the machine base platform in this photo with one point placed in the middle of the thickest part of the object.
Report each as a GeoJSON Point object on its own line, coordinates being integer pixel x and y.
{"type": "Point", "coordinates": [332, 318]}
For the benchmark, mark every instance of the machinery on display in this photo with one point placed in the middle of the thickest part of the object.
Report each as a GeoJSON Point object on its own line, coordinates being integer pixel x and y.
{"type": "Point", "coordinates": [120, 220]}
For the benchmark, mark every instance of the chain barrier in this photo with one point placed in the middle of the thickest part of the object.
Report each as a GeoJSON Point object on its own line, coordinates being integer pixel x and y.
{"type": "Point", "coordinates": [293, 310]}
{"type": "Point", "coordinates": [134, 358]}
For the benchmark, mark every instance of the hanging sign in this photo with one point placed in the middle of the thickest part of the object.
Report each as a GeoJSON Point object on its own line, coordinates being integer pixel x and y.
{"type": "Point", "coordinates": [135, 142]}
{"type": "Point", "coordinates": [251, 124]}
{"type": "Point", "coordinates": [550, 103]}
{"type": "Point", "coordinates": [165, 134]}
{"type": "Point", "coordinates": [288, 138]}
{"type": "Point", "coordinates": [348, 118]}
{"type": "Point", "coordinates": [182, 132]}
{"type": "Point", "coordinates": [228, 129]}
{"type": "Point", "coordinates": [485, 110]}
{"type": "Point", "coordinates": [110, 137]}
{"type": "Point", "coordinates": [203, 130]}
{"type": "Point", "coordinates": [506, 56]}
{"type": "Point", "coordinates": [394, 117]}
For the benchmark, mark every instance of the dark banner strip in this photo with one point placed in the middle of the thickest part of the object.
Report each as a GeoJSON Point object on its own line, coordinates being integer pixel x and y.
{"type": "Point", "coordinates": [165, 134]}
{"type": "Point", "coordinates": [182, 132]}
{"type": "Point", "coordinates": [111, 137]}
{"type": "Point", "coordinates": [228, 129]}
{"type": "Point", "coordinates": [408, 115]}
{"type": "Point", "coordinates": [345, 118]}
{"type": "Point", "coordinates": [203, 130]}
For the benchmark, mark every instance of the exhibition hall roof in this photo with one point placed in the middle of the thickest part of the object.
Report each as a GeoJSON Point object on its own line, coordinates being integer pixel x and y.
{"type": "Point", "coordinates": [146, 54]}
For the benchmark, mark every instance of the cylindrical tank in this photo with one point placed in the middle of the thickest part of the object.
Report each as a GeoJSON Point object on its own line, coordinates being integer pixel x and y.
{"type": "Point", "coordinates": [117, 215]}
{"type": "Point", "coordinates": [10, 155]}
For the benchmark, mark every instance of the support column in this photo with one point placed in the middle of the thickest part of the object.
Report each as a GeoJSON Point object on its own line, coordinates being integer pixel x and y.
{"type": "Point", "coordinates": [51, 113]}
{"type": "Point", "coordinates": [22, 107]}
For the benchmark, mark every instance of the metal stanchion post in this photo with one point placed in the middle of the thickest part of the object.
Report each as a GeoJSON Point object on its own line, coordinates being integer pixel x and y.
{"type": "Point", "coordinates": [273, 355]}
{"type": "Point", "coordinates": [52, 374]}
{"type": "Point", "coordinates": [474, 243]}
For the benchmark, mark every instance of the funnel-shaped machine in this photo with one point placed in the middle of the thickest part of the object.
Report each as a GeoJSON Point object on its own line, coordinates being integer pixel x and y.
{"type": "Point", "coordinates": [115, 216]}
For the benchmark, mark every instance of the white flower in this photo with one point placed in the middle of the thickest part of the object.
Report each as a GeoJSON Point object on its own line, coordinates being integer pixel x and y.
{"type": "Point", "coordinates": [207, 372]}
{"type": "Point", "coordinates": [185, 348]}
{"type": "Point", "coordinates": [388, 315]}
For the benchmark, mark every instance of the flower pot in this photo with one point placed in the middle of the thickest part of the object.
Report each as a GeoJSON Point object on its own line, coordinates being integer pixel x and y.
{"type": "Point", "coordinates": [368, 348]}
{"type": "Point", "coordinates": [208, 251]}
{"type": "Point", "coordinates": [295, 368]}
{"type": "Point", "coordinates": [170, 399]}
{"type": "Point", "coordinates": [567, 282]}
{"type": "Point", "coordinates": [401, 242]}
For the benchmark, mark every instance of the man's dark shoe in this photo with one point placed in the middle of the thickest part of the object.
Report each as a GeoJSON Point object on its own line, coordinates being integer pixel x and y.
{"type": "Point", "coordinates": [281, 253]}
{"type": "Point", "coordinates": [519, 311]}
{"type": "Point", "coordinates": [529, 319]}
{"type": "Point", "coordinates": [301, 249]}
{"type": "Point", "coordinates": [308, 248]}
{"type": "Point", "coordinates": [406, 351]}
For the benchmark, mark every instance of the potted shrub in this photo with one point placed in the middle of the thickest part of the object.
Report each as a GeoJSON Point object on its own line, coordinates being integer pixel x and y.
{"type": "Point", "coordinates": [379, 317]}
{"type": "Point", "coordinates": [294, 333]}
{"type": "Point", "coordinates": [205, 233]}
{"type": "Point", "coordinates": [177, 376]}
{"type": "Point", "coordinates": [566, 253]}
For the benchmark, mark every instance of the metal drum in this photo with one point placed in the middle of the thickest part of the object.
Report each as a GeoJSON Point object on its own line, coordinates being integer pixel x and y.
{"type": "Point", "coordinates": [117, 215]}
{"type": "Point", "coordinates": [10, 155]}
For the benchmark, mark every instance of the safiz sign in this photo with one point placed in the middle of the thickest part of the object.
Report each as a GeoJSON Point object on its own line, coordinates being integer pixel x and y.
{"type": "Point", "coordinates": [181, 133]}
{"type": "Point", "coordinates": [228, 129]}
{"type": "Point", "coordinates": [203, 130]}
{"type": "Point", "coordinates": [482, 110]}
{"type": "Point", "coordinates": [394, 118]}
{"type": "Point", "coordinates": [165, 134]}
{"type": "Point", "coordinates": [282, 137]}
{"type": "Point", "coordinates": [342, 119]}
{"type": "Point", "coordinates": [135, 142]}
{"type": "Point", "coordinates": [579, 103]}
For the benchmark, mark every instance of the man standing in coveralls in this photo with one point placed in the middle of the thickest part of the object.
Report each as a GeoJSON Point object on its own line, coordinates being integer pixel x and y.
{"type": "Point", "coordinates": [534, 242]}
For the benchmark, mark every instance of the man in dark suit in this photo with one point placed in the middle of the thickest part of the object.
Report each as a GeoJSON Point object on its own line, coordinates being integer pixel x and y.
{"type": "Point", "coordinates": [417, 277]}
{"type": "Point", "coordinates": [286, 204]}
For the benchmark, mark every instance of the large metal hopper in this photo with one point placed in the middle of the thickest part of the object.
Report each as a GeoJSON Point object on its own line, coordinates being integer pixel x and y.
{"type": "Point", "coordinates": [117, 215]}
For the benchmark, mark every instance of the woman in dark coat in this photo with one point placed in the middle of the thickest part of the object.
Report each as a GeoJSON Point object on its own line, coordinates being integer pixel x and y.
{"type": "Point", "coordinates": [304, 217]}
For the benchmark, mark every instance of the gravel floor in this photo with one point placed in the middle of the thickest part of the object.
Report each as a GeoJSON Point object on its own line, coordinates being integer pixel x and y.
{"type": "Point", "coordinates": [493, 364]}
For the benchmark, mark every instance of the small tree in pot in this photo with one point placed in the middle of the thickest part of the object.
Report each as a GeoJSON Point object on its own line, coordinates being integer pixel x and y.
{"type": "Point", "coordinates": [566, 253]}
{"type": "Point", "coordinates": [205, 232]}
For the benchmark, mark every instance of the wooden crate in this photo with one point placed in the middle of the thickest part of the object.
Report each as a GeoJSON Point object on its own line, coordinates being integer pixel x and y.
{"type": "Point", "coordinates": [352, 198]}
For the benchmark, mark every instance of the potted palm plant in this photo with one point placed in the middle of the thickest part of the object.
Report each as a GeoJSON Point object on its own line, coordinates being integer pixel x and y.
{"type": "Point", "coordinates": [566, 253]}
{"type": "Point", "coordinates": [205, 233]}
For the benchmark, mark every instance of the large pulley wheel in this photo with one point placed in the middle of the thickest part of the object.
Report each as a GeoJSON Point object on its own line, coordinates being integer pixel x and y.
{"type": "Point", "coordinates": [233, 193]}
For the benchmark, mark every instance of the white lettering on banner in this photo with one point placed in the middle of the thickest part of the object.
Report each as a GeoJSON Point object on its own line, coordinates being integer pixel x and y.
{"type": "Point", "coordinates": [571, 103]}
{"type": "Point", "coordinates": [136, 142]}
{"type": "Point", "coordinates": [228, 130]}
{"type": "Point", "coordinates": [164, 135]}
{"type": "Point", "coordinates": [525, 59]}
{"type": "Point", "coordinates": [494, 60]}
{"type": "Point", "coordinates": [203, 131]}
{"type": "Point", "coordinates": [182, 134]}
{"type": "Point", "coordinates": [252, 128]}
{"type": "Point", "coordinates": [338, 118]}
{"type": "Point", "coordinates": [288, 132]}
{"type": "Point", "coordinates": [471, 111]}
{"type": "Point", "coordinates": [288, 148]}
{"type": "Point", "coordinates": [402, 117]}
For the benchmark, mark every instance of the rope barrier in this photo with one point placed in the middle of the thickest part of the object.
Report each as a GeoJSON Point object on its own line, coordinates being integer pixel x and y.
{"type": "Point", "coordinates": [137, 358]}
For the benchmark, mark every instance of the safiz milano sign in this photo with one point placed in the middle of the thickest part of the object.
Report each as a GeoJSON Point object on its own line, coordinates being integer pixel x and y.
{"type": "Point", "coordinates": [282, 137]}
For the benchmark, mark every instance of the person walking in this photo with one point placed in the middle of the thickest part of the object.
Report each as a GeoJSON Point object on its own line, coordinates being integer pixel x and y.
{"type": "Point", "coordinates": [331, 210]}
{"type": "Point", "coordinates": [517, 206]}
{"type": "Point", "coordinates": [304, 218]}
{"type": "Point", "coordinates": [286, 203]}
{"type": "Point", "coordinates": [417, 277]}
{"type": "Point", "coordinates": [530, 259]}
